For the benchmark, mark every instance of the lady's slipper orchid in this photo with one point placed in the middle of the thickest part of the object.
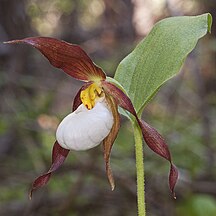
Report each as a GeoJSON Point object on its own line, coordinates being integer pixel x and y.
{"type": "Point", "coordinates": [95, 116]}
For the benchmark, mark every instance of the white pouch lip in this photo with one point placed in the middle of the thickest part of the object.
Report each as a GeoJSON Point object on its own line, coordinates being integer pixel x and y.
{"type": "Point", "coordinates": [84, 129]}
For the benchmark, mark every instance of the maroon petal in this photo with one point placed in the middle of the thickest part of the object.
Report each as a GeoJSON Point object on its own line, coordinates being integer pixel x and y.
{"type": "Point", "coordinates": [71, 58]}
{"type": "Point", "coordinates": [157, 144]}
{"type": "Point", "coordinates": [58, 157]}
{"type": "Point", "coordinates": [153, 139]}
{"type": "Point", "coordinates": [121, 98]}
{"type": "Point", "coordinates": [173, 177]}
{"type": "Point", "coordinates": [109, 140]}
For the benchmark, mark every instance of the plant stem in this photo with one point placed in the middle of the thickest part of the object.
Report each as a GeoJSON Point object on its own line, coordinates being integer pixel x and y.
{"type": "Point", "coordinates": [139, 171]}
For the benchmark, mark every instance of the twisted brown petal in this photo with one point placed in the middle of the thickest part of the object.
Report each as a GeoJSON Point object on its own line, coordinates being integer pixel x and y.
{"type": "Point", "coordinates": [109, 140]}
{"type": "Point", "coordinates": [153, 139]}
{"type": "Point", "coordinates": [71, 58]}
{"type": "Point", "coordinates": [58, 157]}
{"type": "Point", "coordinates": [157, 144]}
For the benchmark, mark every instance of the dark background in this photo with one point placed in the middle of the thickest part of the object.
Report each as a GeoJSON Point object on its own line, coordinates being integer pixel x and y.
{"type": "Point", "coordinates": [34, 97]}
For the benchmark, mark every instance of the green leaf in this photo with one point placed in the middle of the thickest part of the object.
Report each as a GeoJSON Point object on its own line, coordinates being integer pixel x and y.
{"type": "Point", "coordinates": [197, 205]}
{"type": "Point", "coordinates": [160, 56]}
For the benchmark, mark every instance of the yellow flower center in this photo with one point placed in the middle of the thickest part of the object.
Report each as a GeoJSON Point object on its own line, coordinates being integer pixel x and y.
{"type": "Point", "coordinates": [90, 95]}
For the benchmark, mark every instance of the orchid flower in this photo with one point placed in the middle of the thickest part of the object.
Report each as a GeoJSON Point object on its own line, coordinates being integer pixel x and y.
{"type": "Point", "coordinates": [95, 117]}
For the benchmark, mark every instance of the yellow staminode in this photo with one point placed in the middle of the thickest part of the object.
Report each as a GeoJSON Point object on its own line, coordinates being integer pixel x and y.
{"type": "Point", "coordinates": [90, 95]}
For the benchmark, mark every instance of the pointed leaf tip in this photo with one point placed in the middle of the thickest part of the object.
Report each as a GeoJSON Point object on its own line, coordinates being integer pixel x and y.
{"type": "Point", "coordinates": [72, 59]}
{"type": "Point", "coordinates": [160, 56]}
{"type": "Point", "coordinates": [209, 22]}
{"type": "Point", "coordinates": [59, 155]}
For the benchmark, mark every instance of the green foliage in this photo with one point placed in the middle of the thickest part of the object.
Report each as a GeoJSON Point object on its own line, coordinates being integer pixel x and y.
{"type": "Point", "coordinates": [160, 56]}
{"type": "Point", "coordinates": [198, 205]}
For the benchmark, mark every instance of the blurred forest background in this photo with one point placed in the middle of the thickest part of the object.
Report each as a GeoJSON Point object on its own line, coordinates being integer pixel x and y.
{"type": "Point", "coordinates": [35, 97]}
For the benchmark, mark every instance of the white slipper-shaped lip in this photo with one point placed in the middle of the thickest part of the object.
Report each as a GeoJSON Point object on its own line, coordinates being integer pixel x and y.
{"type": "Point", "coordinates": [84, 129]}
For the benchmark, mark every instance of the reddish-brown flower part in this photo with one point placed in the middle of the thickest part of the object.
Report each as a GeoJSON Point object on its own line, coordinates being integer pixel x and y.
{"type": "Point", "coordinates": [75, 62]}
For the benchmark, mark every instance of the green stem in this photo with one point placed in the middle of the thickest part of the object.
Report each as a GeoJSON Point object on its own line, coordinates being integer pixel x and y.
{"type": "Point", "coordinates": [140, 171]}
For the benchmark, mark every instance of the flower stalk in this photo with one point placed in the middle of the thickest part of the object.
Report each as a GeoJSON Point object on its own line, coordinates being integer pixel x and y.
{"type": "Point", "coordinates": [139, 170]}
